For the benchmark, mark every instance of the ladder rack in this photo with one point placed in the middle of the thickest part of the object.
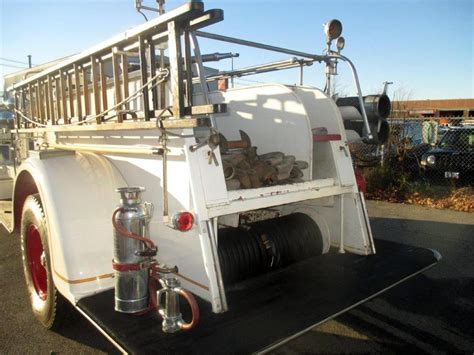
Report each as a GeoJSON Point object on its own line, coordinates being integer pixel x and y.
{"type": "Point", "coordinates": [72, 95]}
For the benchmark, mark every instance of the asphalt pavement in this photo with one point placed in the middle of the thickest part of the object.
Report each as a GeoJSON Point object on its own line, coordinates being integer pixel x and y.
{"type": "Point", "coordinates": [432, 312]}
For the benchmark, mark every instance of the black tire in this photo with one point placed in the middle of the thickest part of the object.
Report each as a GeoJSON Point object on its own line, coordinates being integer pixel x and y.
{"type": "Point", "coordinates": [48, 305]}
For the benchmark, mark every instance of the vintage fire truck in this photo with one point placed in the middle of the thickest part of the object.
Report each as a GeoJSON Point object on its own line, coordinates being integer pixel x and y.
{"type": "Point", "coordinates": [177, 213]}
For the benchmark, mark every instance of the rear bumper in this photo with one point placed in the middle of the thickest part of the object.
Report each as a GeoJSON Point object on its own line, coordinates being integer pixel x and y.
{"type": "Point", "coordinates": [269, 310]}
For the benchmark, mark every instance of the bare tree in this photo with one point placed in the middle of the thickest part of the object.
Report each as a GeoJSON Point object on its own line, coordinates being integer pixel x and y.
{"type": "Point", "coordinates": [338, 89]}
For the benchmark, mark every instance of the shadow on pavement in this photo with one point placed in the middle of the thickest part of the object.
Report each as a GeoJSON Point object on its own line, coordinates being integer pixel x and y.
{"type": "Point", "coordinates": [426, 314]}
{"type": "Point", "coordinates": [436, 307]}
{"type": "Point", "coordinates": [79, 329]}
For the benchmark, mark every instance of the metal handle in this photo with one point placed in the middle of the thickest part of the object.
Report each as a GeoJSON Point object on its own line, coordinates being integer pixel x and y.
{"type": "Point", "coordinates": [150, 209]}
{"type": "Point", "coordinates": [172, 317]}
{"type": "Point", "coordinates": [196, 146]}
{"type": "Point", "coordinates": [188, 296]}
{"type": "Point", "coordinates": [344, 149]}
{"type": "Point", "coordinates": [359, 91]}
{"type": "Point", "coordinates": [160, 293]}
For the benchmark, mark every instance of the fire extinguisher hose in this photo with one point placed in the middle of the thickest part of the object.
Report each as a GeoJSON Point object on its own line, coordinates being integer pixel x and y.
{"type": "Point", "coordinates": [126, 233]}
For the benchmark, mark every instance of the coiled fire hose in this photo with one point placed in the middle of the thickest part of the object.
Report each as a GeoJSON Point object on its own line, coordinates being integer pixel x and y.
{"type": "Point", "coordinates": [154, 279]}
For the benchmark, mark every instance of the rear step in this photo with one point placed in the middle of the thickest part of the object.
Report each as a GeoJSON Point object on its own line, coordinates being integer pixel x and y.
{"type": "Point", "coordinates": [269, 310]}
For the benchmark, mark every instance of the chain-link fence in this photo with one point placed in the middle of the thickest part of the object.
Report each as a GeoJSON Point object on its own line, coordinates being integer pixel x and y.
{"type": "Point", "coordinates": [436, 150]}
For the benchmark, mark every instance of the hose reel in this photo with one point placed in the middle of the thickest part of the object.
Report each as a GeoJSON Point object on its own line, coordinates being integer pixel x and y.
{"type": "Point", "coordinates": [263, 246]}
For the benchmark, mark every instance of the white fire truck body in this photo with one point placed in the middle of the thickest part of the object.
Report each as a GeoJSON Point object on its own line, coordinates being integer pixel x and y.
{"type": "Point", "coordinates": [237, 186]}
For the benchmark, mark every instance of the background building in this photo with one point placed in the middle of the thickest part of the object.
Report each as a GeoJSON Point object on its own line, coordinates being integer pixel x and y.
{"type": "Point", "coordinates": [434, 108]}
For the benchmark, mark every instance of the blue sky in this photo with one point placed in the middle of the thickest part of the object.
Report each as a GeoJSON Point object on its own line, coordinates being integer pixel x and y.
{"type": "Point", "coordinates": [426, 47]}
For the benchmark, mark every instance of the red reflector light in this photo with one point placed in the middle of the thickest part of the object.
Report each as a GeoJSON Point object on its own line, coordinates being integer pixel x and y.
{"type": "Point", "coordinates": [360, 180]}
{"type": "Point", "coordinates": [183, 221]}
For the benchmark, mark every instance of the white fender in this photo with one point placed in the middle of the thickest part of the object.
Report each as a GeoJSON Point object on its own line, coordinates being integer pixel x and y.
{"type": "Point", "coordinates": [78, 196]}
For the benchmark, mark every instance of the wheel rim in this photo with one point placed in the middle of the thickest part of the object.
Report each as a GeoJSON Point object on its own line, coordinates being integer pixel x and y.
{"type": "Point", "coordinates": [37, 262]}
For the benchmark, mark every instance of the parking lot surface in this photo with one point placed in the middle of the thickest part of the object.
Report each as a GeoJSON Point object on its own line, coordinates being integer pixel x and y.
{"type": "Point", "coordinates": [433, 312]}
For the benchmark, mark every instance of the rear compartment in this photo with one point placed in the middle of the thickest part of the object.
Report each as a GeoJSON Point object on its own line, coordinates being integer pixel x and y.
{"type": "Point", "coordinates": [261, 225]}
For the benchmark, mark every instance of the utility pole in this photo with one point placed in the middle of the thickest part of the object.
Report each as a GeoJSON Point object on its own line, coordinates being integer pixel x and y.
{"type": "Point", "coordinates": [29, 60]}
{"type": "Point", "coordinates": [385, 86]}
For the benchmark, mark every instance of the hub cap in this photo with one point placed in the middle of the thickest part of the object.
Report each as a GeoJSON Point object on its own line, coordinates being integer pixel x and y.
{"type": "Point", "coordinates": [37, 262]}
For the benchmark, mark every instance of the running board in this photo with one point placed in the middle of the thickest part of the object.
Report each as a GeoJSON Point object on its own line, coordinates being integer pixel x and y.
{"type": "Point", "coordinates": [267, 311]}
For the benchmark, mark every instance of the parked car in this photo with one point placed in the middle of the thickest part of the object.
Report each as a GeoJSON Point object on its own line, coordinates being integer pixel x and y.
{"type": "Point", "coordinates": [453, 156]}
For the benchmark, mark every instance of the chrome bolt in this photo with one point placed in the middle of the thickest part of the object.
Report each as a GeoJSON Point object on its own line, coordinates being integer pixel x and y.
{"type": "Point", "coordinates": [43, 259]}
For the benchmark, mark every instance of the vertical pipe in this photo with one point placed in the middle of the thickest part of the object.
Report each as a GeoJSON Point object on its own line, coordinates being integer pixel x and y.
{"type": "Point", "coordinates": [63, 97]}
{"type": "Point", "coordinates": [164, 137]}
{"type": "Point", "coordinates": [328, 82]}
{"type": "Point", "coordinates": [85, 91]}
{"type": "Point", "coordinates": [341, 241]}
{"type": "Point", "coordinates": [77, 81]}
{"type": "Point", "coordinates": [211, 230]}
{"type": "Point", "coordinates": [200, 70]}
{"type": "Point", "coordinates": [47, 101]}
{"type": "Point", "coordinates": [367, 222]}
{"type": "Point", "coordinates": [37, 101]}
{"type": "Point", "coordinates": [232, 69]}
{"type": "Point", "coordinates": [125, 79]}
{"type": "Point", "coordinates": [201, 74]}
{"type": "Point", "coordinates": [188, 68]}
{"type": "Point", "coordinates": [41, 102]}
{"type": "Point", "coordinates": [144, 77]}
{"type": "Point", "coordinates": [176, 72]}
{"type": "Point", "coordinates": [161, 11]}
{"type": "Point", "coordinates": [22, 100]}
{"type": "Point", "coordinates": [17, 107]}
{"type": "Point", "coordinates": [70, 93]}
{"type": "Point", "coordinates": [355, 77]}
{"type": "Point", "coordinates": [301, 74]}
{"type": "Point", "coordinates": [58, 105]}
{"type": "Point", "coordinates": [152, 58]}
{"type": "Point", "coordinates": [31, 103]}
{"type": "Point", "coordinates": [103, 85]}
{"type": "Point", "coordinates": [51, 99]}
{"type": "Point", "coordinates": [164, 141]}
{"type": "Point", "coordinates": [117, 88]}
{"type": "Point", "coordinates": [44, 100]}
{"type": "Point", "coordinates": [95, 89]}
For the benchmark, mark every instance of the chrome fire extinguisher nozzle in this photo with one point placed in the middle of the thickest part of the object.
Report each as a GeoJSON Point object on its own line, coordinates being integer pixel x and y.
{"type": "Point", "coordinates": [170, 310]}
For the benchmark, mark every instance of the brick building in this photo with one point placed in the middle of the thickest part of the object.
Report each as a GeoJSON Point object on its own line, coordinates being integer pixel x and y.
{"type": "Point", "coordinates": [434, 108]}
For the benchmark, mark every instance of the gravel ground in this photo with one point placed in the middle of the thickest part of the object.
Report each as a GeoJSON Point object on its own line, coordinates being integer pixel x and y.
{"type": "Point", "coordinates": [433, 312]}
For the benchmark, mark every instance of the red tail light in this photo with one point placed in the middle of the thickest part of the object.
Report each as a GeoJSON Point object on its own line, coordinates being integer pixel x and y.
{"type": "Point", "coordinates": [222, 84]}
{"type": "Point", "coordinates": [183, 221]}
